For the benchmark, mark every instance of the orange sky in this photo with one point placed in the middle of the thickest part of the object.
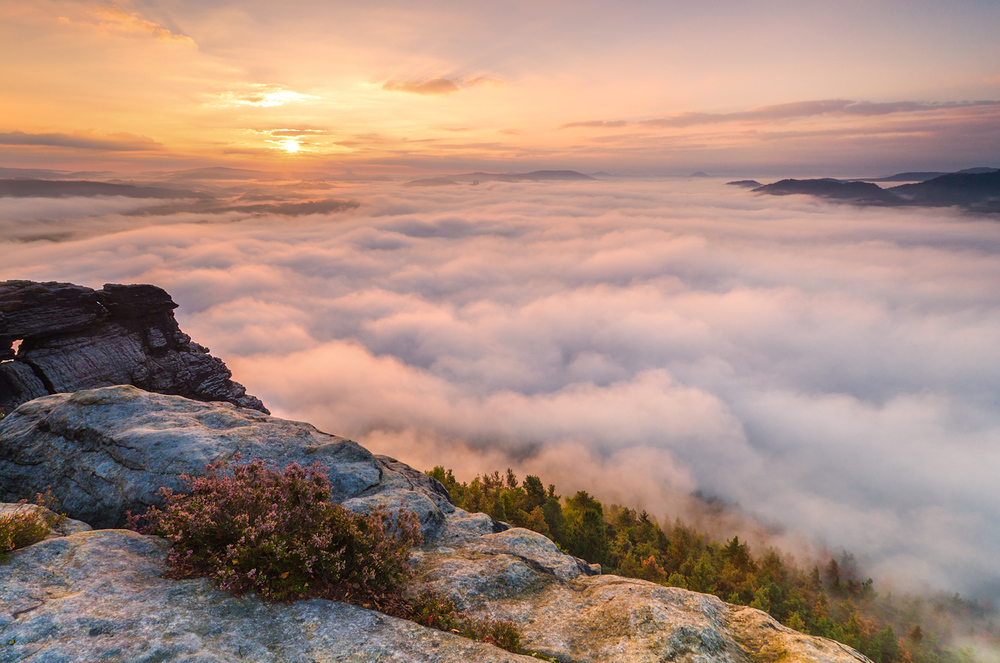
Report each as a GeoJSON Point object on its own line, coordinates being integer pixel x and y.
{"type": "Point", "coordinates": [636, 87]}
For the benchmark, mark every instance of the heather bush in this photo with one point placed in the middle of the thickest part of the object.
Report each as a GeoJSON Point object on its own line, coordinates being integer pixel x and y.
{"type": "Point", "coordinates": [257, 529]}
{"type": "Point", "coordinates": [21, 528]}
{"type": "Point", "coordinates": [25, 526]}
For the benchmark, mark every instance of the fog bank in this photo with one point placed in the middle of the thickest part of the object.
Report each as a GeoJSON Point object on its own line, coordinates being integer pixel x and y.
{"type": "Point", "coordinates": [832, 369]}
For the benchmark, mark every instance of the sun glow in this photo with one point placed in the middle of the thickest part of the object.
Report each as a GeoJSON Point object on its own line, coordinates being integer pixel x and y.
{"type": "Point", "coordinates": [291, 146]}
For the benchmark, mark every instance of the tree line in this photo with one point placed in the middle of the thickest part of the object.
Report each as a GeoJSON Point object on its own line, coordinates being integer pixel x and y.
{"type": "Point", "coordinates": [828, 599]}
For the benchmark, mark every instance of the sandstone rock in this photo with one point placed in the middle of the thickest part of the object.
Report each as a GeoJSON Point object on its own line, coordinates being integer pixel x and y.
{"type": "Point", "coordinates": [107, 451]}
{"type": "Point", "coordinates": [567, 614]}
{"type": "Point", "coordinates": [73, 338]}
{"type": "Point", "coordinates": [98, 596]}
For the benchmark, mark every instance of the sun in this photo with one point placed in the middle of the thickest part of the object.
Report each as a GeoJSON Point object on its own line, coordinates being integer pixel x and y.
{"type": "Point", "coordinates": [290, 145]}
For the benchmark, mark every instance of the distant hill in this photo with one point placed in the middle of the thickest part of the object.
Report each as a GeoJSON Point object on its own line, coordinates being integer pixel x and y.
{"type": "Point", "coordinates": [920, 176]}
{"type": "Point", "coordinates": [432, 181]}
{"type": "Point", "coordinates": [700, 173]}
{"type": "Point", "coordinates": [908, 177]}
{"type": "Point", "coordinates": [745, 184]}
{"type": "Point", "coordinates": [476, 178]}
{"type": "Point", "coordinates": [857, 192]}
{"type": "Point", "coordinates": [533, 176]}
{"type": "Point", "coordinates": [25, 188]}
{"type": "Point", "coordinates": [975, 191]}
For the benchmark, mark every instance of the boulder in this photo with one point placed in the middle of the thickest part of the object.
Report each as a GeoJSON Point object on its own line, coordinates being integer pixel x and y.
{"type": "Point", "coordinates": [73, 337]}
{"type": "Point", "coordinates": [104, 452]}
{"type": "Point", "coordinates": [99, 596]}
{"type": "Point", "coordinates": [566, 611]}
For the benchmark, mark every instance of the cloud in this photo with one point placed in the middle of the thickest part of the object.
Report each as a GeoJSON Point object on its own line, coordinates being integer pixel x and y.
{"type": "Point", "coordinates": [435, 86]}
{"type": "Point", "coordinates": [833, 370]}
{"type": "Point", "coordinates": [118, 142]}
{"type": "Point", "coordinates": [261, 95]}
{"type": "Point", "coordinates": [805, 109]}
{"type": "Point", "coordinates": [596, 124]}
{"type": "Point", "coordinates": [112, 18]}
{"type": "Point", "coordinates": [427, 86]}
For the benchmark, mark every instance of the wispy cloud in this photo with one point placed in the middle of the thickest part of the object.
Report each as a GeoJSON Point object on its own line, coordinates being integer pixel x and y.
{"type": "Point", "coordinates": [808, 109]}
{"type": "Point", "coordinates": [595, 124]}
{"type": "Point", "coordinates": [120, 142]}
{"type": "Point", "coordinates": [112, 18]}
{"type": "Point", "coordinates": [789, 111]}
{"type": "Point", "coordinates": [258, 94]}
{"type": "Point", "coordinates": [435, 86]}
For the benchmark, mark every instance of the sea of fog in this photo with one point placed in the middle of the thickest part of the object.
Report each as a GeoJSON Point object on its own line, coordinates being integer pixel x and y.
{"type": "Point", "coordinates": [833, 370]}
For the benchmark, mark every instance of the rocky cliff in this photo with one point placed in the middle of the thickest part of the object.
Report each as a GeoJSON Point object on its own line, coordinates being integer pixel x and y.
{"type": "Point", "coordinates": [99, 595]}
{"type": "Point", "coordinates": [72, 337]}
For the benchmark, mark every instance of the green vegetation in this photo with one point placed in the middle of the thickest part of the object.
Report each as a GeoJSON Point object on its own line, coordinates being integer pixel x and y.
{"type": "Point", "coordinates": [25, 526]}
{"type": "Point", "coordinates": [275, 533]}
{"type": "Point", "coordinates": [828, 599]}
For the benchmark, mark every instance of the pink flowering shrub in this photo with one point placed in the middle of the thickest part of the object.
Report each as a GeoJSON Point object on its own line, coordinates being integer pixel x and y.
{"type": "Point", "coordinates": [275, 533]}
{"type": "Point", "coordinates": [257, 529]}
{"type": "Point", "coordinates": [21, 528]}
{"type": "Point", "coordinates": [25, 526]}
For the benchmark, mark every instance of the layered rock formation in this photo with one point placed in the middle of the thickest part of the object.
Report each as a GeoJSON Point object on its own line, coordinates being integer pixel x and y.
{"type": "Point", "coordinates": [73, 337]}
{"type": "Point", "coordinates": [98, 595]}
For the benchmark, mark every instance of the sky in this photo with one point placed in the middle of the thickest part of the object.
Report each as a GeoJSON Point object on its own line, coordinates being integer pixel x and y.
{"type": "Point", "coordinates": [830, 370]}
{"type": "Point", "coordinates": [854, 88]}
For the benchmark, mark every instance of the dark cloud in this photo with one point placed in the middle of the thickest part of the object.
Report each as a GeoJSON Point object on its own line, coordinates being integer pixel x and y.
{"type": "Point", "coordinates": [113, 143]}
{"type": "Point", "coordinates": [30, 188]}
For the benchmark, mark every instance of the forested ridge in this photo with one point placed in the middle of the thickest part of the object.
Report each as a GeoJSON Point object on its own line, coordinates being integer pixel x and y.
{"type": "Point", "coordinates": [829, 598]}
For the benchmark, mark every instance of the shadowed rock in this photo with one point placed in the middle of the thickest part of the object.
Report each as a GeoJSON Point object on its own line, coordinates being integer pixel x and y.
{"type": "Point", "coordinates": [73, 337]}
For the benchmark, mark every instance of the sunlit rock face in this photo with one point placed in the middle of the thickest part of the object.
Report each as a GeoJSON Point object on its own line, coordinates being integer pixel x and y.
{"type": "Point", "coordinates": [99, 595]}
{"type": "Point", "coordinates": [72, 338]}
{"type": "Point", "coordinates": [567, 611]}
{"type": "Point", "coordinates": [104, 452]}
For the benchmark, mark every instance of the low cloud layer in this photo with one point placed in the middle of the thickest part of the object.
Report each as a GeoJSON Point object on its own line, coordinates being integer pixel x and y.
{"type": "Point", "coordinates": [831, 369]}
{"type": "Point", "coordinates": [119, 142]}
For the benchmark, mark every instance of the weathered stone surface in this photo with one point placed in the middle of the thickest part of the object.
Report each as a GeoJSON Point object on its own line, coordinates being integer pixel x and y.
{"type": "Point", "coordinates": [73, 338]}
{"type": "Point", "coordinates": [107, 451]}
{"type": "Point", "coordinates": [98, 596]}
{"type": "Point", "coordinates": [565, 613]}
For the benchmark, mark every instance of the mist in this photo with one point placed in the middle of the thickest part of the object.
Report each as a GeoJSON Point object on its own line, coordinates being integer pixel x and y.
{"type": "Point", "coordinates": [833, 370]}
